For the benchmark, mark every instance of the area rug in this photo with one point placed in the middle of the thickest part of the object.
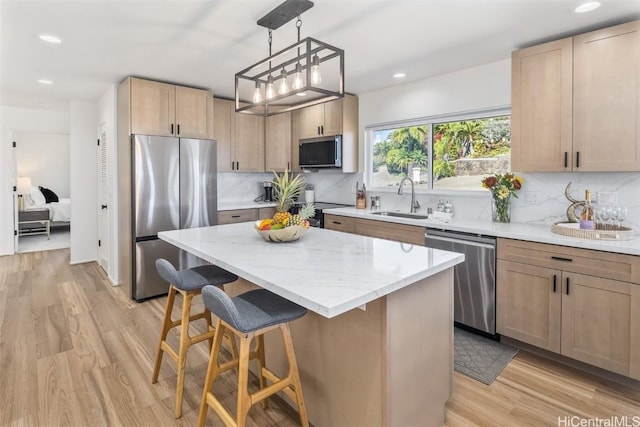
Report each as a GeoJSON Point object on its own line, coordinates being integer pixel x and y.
{"type": "Point", "coordinates": [60, 238]}
{"type": "Point", "coordinates": [480, 358]}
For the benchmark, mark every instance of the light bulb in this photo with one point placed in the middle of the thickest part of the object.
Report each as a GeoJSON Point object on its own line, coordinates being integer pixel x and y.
{"type": "Point", "coordinates": [316, 77]}
{"type": "Point", "coordinates": [257, 94]}
{"type": "Point", "coordinates": [269, 92]}
{"type": "Point", "coordinates": [297, 78]}
{"type": "Point", "coordinates": [283, 87]}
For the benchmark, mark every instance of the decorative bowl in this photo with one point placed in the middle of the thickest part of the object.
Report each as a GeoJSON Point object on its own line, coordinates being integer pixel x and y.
{"type": "Point", "coordinates": [288, 234]}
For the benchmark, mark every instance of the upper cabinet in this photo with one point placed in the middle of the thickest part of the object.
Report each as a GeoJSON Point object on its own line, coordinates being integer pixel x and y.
{"type": "Point", "coordinates": [338, 117]}
{"type": "Point", "coordinates": [277, 145]}
{"type": "Point", "coordinates": [240, 139]}
{"type": "Point", "coordinates": [575, 103]}
{"type": "Point", "coordinates": [169, 110]}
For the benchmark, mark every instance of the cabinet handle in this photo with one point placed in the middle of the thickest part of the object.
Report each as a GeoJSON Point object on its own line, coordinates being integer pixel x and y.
{"type": "Point", "coordinates": [554, 283]}
{"type": "Point", "coordinates": [557, 258]}
{"type": "Point", "coordinates": [567, 286]}
{"type": "Point", "coordinates": [237, 166]}
{"type": "Point", "coordinates": [288, 167]}
{"type": "Point", "coordinates": [337, 222]}
{"type": "Point", "coordinates": [322, 129]}
{"type": "Point", "coordinates": [233, 165]}
{"type": "Point", "coordinates": [171, 128]}
{"type": "Point", "coordinates": [178, 130]}
{"type": "Point", "coordinates": [235, 216]}
{"type": "Point", "coordinates": [577, 159]}
{"type": "Point", "coordinates": [318, 130]}
{"type": "Point", "coordinates": [566, 159]}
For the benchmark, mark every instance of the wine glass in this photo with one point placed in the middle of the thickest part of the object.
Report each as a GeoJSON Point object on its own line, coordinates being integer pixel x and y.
{"type": "Point", "coordinates": [621, 214]}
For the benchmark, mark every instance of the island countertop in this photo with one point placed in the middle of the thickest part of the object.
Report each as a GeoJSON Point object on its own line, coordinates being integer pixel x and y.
{"type": "Point", "coordinates": [327, 272]}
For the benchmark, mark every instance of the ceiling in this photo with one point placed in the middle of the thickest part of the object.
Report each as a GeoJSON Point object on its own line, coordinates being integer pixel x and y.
{"type": "Point", "coordinates": [204, 43]}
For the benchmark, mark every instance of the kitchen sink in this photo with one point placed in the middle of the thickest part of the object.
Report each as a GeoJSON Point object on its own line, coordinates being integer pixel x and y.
{"type": "Point", "coordinates": [401, 215]}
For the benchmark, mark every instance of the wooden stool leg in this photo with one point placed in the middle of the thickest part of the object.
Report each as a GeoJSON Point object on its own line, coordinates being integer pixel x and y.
{"type": "Point", "coordinates": [207, 319]}
{"type": "Point", "coordinates": [244, 401]}
{"type": "Point", "coordinates": [185, 342]}
{"type": "Point", "coordinates": [163, 334]}
{"type": "Point", "coordinates": [294, 374]}
{"type": "Point", "coordinates": [261, 366]}
{"type": "Point", "coordinates": [212, 372]}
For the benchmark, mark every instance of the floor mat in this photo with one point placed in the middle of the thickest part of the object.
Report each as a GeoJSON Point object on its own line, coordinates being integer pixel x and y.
{"type": "Point", "coordinates": [480, 358]}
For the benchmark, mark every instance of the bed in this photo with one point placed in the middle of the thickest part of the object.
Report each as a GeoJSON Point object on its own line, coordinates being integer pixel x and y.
{"type": "Point", "coordinates": [42, 198]}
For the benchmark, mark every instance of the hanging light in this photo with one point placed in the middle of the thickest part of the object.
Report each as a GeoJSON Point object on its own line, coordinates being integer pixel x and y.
{"type": "Point", "coordinates": [316, 77]}
{"type": "Point", "coordinates": [283, 86]}
{"type": "Point", "coordinates": [295, 70]}
{"type": "Point", "coordinates": [257, 94]}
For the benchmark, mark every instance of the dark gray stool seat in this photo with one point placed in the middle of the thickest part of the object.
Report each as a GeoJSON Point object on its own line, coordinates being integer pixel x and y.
{"type": "Point", "coordinates": [251, 315]}
{"type": "Point", "coordinates": [252, 310]}
{"type": "Point", "coordinates": [188, 283]}
{"type": "Point", "coordinates": [191, 279]}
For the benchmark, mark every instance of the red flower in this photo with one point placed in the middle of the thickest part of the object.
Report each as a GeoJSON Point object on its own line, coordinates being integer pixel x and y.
{"type": "Point", "coordinates": [489, 182]}
{"type": "Point", "coordinates": [516, 184]}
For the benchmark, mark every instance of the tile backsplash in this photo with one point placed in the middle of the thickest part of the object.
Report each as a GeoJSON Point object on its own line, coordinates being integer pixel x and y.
{"type": "Point", "coordinates": [546, 202]}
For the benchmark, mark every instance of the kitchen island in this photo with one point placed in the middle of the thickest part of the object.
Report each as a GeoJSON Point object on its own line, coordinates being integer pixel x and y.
{"type": "Point", "coordinates": [376, 348]}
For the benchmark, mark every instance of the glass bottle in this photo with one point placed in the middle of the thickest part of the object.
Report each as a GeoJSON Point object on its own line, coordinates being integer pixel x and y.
{"type": "Point", "coordinates": [587, 217]}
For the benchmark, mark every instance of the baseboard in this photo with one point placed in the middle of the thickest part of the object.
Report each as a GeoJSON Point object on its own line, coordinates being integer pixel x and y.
{"type": "Point", "coordinates": [585, 367]}
{"type": "Point", "coordinates": [81, 262]}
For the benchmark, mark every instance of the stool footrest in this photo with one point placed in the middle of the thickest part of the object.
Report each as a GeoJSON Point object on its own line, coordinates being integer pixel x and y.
{"type": "Point", "coordinates": [285, 383]}
{"type": "Point", "coordinates": [170, 351]}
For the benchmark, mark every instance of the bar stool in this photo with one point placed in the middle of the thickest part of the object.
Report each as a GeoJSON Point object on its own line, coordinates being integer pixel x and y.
{"type": "Point", "coordinates": [250, 315]}
{"type": "Point", "coordinates": [189, 283]}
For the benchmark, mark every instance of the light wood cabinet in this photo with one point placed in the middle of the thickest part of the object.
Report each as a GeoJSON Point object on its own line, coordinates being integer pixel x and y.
{"type": "Point", "coordinates": [240, 139]}
{"type": "Point", "coordinates": [374, 228]}
{"type": "Point", "coordinates": [277, 144]}
{"type": "Point", "coordinates": [237, 215]}
{"type": "Point", "coordinates": [566, 300]}
{"type": "Point", "coordinates": [576, 103]}
{"type": "Point", "coordinates": [169, 110]}
{"type": "Point", "coordinates": [338, 117]}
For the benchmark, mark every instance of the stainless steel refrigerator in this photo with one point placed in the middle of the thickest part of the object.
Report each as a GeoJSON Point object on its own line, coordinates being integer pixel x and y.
{"type": "Point", "coordinates": [174, 186]}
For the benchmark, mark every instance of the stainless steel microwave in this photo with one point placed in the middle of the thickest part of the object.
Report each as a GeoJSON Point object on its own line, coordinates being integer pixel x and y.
{"type": "Point", "coordinates": [321, 152]}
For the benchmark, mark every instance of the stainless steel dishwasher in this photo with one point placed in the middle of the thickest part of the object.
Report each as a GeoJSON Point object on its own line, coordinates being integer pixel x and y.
{"type": "Point", "coordinates": [475, 279]}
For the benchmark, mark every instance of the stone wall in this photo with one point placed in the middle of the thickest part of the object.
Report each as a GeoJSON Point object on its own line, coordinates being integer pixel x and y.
{"type": "Point", "coordinates": [483, 166]}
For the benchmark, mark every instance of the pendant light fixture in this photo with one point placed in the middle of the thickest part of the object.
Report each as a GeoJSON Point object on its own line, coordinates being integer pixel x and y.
{"type": "Point", "coordinates": [297, 70]}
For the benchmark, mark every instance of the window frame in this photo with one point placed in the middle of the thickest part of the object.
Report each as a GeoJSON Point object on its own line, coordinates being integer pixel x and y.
{"type": "Point", "coordinates": [428, 121]}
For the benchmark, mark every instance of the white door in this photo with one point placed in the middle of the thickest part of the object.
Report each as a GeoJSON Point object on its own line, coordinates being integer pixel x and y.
{"type": "Point", "coordinates": [103, 196]}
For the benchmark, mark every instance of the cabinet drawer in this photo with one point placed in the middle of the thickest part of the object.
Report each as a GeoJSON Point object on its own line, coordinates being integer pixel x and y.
{"type": "Point", "coordinates": [585, 261]}
{"type": "Point", "coordinates": [239, 215]}
{"type": "Point", "coordinates": [340, 223]}
{"type": "Point", "coordinates": [387, 230]}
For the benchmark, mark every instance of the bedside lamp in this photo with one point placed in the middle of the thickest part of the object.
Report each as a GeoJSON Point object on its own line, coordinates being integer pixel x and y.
{"type": "Point", "coordinates": [23, 186]}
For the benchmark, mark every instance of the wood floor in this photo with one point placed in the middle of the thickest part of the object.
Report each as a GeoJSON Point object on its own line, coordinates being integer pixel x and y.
{"type": "Point", "coordinates": [75, 351]}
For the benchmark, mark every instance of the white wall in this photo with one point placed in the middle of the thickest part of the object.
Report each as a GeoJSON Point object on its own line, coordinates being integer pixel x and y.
{"type": "Point", "coordinates": [14, 119]}
{"type": "Point", "coordinates": [107, 120]}
{"type": "Point", "coordinates": [44, 157]}
{"type": "Point", "coordinates": [83, 127]}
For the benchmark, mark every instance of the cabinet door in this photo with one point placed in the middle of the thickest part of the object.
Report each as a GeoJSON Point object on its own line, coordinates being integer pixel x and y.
{"type": "Point", "coordinates": [237, 215]}
{"type": "Point", "coordinates": [277, 146]}
{"type": "Point", "coordinates": [194, 113]}
{"type": "Point", "coordinates": [597, 321]}
{"type": "Point", "coordinates": [223, 132]}
{"type": "Point", "coordinates": [308, 121]}
{"type": "Point", "coordinates": [541, 108]}
{"type": "Point", "coordinates": [340, 223]}
{"type": "Point", "coordinates": [248, 147]}
{"type": "Point", "coordinates": [606, 114]}
{"type": "Point", "coordinates": [386, 230]}
{"type": "Point", "coordinates": [528, 305]}
{"type": "Point", "coordinates": [152, 108]}
{"type": "Point", "coordinates": [332, 124]}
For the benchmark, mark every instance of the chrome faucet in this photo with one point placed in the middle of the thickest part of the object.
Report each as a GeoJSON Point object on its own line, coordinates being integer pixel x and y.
{"type": "Point", "coordinates": [414, 203]}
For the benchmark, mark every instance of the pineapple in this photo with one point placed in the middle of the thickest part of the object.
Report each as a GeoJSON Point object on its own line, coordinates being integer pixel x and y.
{"type": "Point", "coordinates": [301, 218]}
{"type": "Point", "coordinates": [286, 189]}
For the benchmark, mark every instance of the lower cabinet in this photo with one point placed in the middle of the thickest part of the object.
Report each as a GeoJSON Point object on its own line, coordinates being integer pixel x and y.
{"type": "Point", "coordinates": [244, 215]}
{"type": "Point", "coordinates": [384, 230]}
{"type": "Point", "coordinates": [585, 317]}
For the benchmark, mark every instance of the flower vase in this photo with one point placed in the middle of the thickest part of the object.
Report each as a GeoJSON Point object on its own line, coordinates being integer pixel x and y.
{"type": "Point", "coordinates": [501, 209]}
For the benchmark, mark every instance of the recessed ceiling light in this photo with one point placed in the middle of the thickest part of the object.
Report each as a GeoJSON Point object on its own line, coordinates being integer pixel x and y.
{"type": "Point", "coordinates": [45, 82]}
{"type": "Point", "coordinates": [301, 94]}
{"type": "Point", "coordinates": [399, 75]}
{"type": "Point", "coordinates": [587, 7]}
{"type": "Point", "coordinates": [50, 38]}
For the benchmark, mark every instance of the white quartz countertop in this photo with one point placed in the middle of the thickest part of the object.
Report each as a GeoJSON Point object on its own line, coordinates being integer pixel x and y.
{"type": "Point", "coordinates": [327, 272]}
{"type": "Point", "coordinates": [230, 206]}
{"type": "Point", "coordinates": [521, 231]}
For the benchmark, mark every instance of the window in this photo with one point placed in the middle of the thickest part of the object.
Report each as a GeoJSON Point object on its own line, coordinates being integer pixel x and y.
{"type": "Point", "coordinates": [440, 153]}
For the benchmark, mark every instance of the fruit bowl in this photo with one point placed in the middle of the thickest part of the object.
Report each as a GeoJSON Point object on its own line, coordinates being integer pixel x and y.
{"type": "Point", "coordinates": [288, 234]}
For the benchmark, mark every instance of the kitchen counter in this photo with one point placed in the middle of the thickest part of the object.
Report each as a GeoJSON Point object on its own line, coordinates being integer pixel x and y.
{"type": "Point", "coordinates": [389, 363]}
{"type": "Point", "coordinates": [326, 271]}
{"type": "Point", "coordinates": [230, 206]}
{"type": "Point", "coordinates": [521, 231]}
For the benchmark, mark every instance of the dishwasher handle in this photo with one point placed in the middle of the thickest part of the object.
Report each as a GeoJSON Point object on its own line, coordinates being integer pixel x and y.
{"type": "Point", "coordinates": [481, 242]}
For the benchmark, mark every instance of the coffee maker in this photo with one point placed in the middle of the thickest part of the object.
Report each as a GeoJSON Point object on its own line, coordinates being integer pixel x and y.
{"type": "Point", "coordinates": [268, 191]}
